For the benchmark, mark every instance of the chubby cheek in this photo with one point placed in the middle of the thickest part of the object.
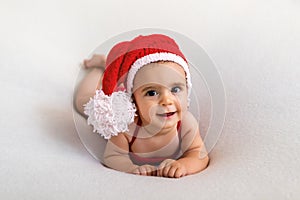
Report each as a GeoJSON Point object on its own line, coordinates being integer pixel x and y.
{"type": "Point", "coordinates": [182, 103]}
{"type": "Point", "coordinates": [142, 113]}
{"type": "Point", "coordinates": [145, 111]}
{"type": "Point", "coordinates": [184, 106]}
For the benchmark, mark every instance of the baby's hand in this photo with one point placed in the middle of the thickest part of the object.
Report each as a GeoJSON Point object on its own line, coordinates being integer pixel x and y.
{"type": "Point", "coordinates": [171, 168]}
{"type": "Point", "coordinates": [145, 170]}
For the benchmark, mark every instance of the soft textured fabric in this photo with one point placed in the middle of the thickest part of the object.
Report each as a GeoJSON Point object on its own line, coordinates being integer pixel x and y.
{"type": "Point", "coordinates": [255, 46]}
{"type": "Point", "coordinates": [110, 115]}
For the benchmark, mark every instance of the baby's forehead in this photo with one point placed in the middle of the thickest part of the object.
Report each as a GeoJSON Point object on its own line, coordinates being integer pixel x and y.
{"type": "Point", "coordinates": [161, 73]}
{"type": "Point", "coordinates": [161, 67]}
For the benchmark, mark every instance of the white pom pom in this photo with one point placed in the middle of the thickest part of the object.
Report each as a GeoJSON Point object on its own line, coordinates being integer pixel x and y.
{"type": "Point", "coordinates": [110, 115]}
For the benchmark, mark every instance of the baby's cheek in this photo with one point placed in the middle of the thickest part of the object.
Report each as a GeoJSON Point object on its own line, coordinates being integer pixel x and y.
{"type": "Point", "coordinates": [147, 111]}
{"type": "Point", "coordinates": [183, 104]}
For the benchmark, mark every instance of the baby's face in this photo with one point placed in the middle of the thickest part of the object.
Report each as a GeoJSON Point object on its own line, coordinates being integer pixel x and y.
{"type": "Point", "coordinates": [160, 93]}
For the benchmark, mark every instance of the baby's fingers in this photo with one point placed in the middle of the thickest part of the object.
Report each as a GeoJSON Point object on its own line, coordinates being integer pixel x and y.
{"type": "Point", "coordinates": [164, 167]}
{"type": "Point", "coordinates": [136, 171]}
{"type": "Point", "coordinates": [171, 172]}
{"type": "Point", "coordinates": [172, 169]}
{"type": "Point", "coordinates": [145, 170]}
{"type": "Point", "coordinates": [180, 172]}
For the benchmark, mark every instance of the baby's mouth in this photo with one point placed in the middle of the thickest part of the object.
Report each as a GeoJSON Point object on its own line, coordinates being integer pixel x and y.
{"type": "Point", "coordinates": [168, 114]}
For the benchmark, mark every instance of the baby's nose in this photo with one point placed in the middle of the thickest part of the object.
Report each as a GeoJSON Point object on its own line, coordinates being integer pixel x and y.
{"type": "Point", "coordinates": [166, 98]}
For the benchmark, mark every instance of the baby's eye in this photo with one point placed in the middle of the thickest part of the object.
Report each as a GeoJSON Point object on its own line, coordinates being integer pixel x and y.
{"type": "Point", "coordinates": [151, 93]}
{"type": "Point", "coordinates": [175, 89]}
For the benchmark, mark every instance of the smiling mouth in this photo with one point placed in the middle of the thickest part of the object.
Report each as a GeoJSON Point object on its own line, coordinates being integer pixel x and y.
{"type": "Point", "coordinates": [169, 114]}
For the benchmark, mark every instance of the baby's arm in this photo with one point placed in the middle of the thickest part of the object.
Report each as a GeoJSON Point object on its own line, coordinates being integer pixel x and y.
{"type": "Point", "coordinates": [195, 157]}
{"type": "Point", "coordinates": [116, 157]}
{"type": "Point", "coordinates": [116, 154]}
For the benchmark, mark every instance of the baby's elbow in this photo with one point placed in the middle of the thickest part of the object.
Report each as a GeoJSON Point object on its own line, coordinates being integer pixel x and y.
{"type": "Point", "coordinates": [205, 161]}
{"type": "Point", "coordinates": [107, 164]}
{"type": "Point", "coordinates": [108, 159]}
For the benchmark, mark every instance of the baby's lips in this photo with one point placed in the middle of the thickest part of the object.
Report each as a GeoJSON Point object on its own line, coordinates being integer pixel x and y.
{"type": "Point", "coordinates": [166, 114]}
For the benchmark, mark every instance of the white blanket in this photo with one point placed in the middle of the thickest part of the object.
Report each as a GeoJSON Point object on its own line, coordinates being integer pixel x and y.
{"type": "Point", "coordinates": [254, 44]}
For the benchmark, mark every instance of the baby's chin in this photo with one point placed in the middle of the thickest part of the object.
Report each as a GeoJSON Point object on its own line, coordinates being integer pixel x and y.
{"type": "Point", "coordinates": [164, 125]}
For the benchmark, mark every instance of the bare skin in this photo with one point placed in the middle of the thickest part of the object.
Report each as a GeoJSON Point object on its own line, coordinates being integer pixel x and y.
{"type": "Point", "coordinates": [90, 83]}
{"type": "Point", "coordinates": [97, 61]}
{"type": "Point", "coordinates": [194, 158]}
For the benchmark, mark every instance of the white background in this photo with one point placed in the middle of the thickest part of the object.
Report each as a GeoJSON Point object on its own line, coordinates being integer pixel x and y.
{"type": "Point", "coordinates": [255, 45]}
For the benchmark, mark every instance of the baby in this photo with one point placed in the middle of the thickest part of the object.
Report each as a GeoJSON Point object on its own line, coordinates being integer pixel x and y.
{"type": "Point", "coordinates": [141, 107]}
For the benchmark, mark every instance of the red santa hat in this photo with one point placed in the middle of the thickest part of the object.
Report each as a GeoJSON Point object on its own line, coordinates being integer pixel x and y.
{"type": "Point", "coordinates": [112, 110]}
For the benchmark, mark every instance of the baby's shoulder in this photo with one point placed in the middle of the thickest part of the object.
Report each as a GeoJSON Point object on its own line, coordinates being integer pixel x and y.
{"type": "Point", "coordinates": [188, 119]}
{"type": "Point", "coordinates": [128, 135]}
{"type": "Point", "coordinates": [188, 123]}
